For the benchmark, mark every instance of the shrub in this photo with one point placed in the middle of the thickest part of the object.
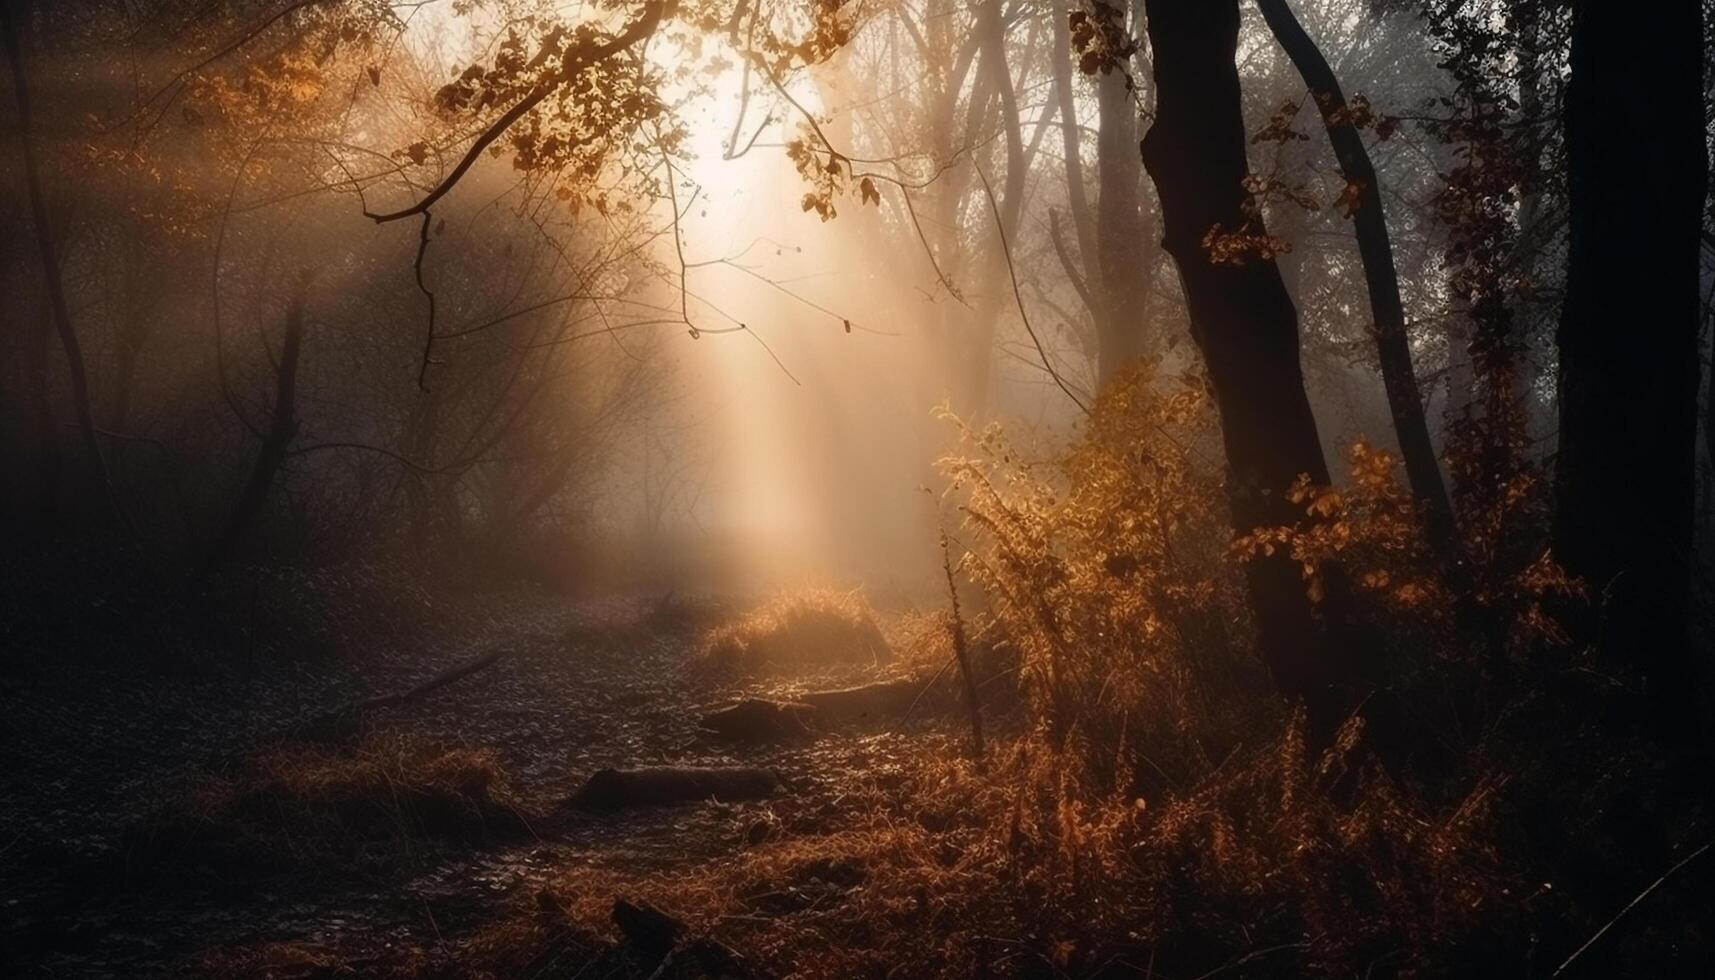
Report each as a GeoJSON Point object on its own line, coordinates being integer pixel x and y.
{"type": "Point", "coordinates": [1106, 569]}
{"type": "Point", "coordinates": [301, 807]}
{"type": "Point", "coordinates": [805, 629]}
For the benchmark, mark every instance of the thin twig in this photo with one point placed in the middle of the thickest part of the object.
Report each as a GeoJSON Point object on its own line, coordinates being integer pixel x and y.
{"type": "Point", "coordinates": [962, 654]}
{"type": "Point", "coordinates": [1012, 272]}
{"type": "Point", "coordinates": [429, 335]}
{"type": "Point", "coordinates": [1694, 855]}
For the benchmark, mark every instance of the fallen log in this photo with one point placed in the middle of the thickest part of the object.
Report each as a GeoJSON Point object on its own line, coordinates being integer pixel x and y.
{"type": "Point", "coordinates": [761, 720]}
{"type": "Point", "coordinates": [865, 703]}
{"type": "Point", "coordinates": [765, 719]}
{"type": "Point", "coordinates": [614, 789]}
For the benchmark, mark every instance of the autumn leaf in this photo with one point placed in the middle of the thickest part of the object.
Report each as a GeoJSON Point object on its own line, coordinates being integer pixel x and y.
{"type": "Point", "coordinates": [418, 152]}
{"type": "Point", "coordinates": [867, 192]}
{"type": "Point", "coordinates": [374, 75]}
{"type": "Point", "coordinates": [1351, 199]}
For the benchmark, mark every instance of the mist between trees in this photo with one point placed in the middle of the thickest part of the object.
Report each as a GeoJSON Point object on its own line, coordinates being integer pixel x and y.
{"type": "Point", "coordinates": [1253, 373]}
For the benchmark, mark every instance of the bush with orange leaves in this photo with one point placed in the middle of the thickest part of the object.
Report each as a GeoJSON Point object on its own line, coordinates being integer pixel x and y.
{"type": "Point", "coordinates": [1204, 832]}
{"type": "Point", "coordinates": [1372, 529]}
{"type": "Point", "coordinates": [1105, 568]}
{"type": "Point", "coordinates": [1161, 813]}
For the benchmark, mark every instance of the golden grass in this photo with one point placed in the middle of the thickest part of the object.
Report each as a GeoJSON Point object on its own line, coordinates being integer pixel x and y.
{"type": "Point", "coordinates": [804, 629]}
{"type": "Point", "coordinates": [931, 868]}
{"type": "Point", "coordinates": [299, 806]}
{"type": "Point", "coordinates": [1159, 812]}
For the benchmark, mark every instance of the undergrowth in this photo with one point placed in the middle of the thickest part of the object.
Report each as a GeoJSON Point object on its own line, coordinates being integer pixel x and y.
{"type": "Point", "coordinates": [804, 629]}
{"type": "Point", "coordinates": [301, 808]}
{"type": "Point", "coordinates": [1158, 811]}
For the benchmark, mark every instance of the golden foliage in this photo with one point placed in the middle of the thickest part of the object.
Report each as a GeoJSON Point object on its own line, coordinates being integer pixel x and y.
{"type": "Point", "coordinates": [801, 629]}
{"type": "Point", "coordinates": [1104, 569]}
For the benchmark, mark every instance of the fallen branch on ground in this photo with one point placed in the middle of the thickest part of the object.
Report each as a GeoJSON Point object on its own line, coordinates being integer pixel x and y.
{"type": "Point", "coordinates": [343, 720]}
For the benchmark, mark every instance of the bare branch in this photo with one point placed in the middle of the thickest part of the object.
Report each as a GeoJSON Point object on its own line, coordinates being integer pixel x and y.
{"type": "Point", "coordinates": [1018, 297]}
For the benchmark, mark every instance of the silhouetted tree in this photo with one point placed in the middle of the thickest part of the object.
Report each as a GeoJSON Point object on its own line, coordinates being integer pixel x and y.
{"type": "Point", "coordinates": [276, 441]}
{"type": "Point", "coordinates": [49, 257]}
{"type": "Point", "coordinates": [1375, 247]}
{"type": "Point", "coordinates": [1241, 319]}
{"type": "Point", "coordinates": [1625, 474]}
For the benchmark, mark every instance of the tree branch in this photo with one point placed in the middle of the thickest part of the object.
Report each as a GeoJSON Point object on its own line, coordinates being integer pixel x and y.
{"type": "Point", "coordinates": [574, 62]}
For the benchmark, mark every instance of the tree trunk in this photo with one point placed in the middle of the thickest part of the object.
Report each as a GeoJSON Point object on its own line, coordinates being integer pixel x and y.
{"type": "Point", "coordinates": [1113, 235]}
{"type": "Point", "coordinates": [282, 428]}
{"type": "Point", "coordinates": [1533, 247]}
{"type": "Point", "coordinates": [1242, 321]}
{"type": "Point", "coordinates": [993, 295]}
{"type": "Point", "coordinates": [34, 483]}
{"type": "Point", "coordinates": [1122, 228]}
{"type": "Point", "coordinates": [134, 324]}
{"type": "Point", "coordinates": [1709, 415]}
{"type": "Point", "coordinates": [51, 266]}
{"type": "Point", "coordinates": [1625, 475]}
{"type": "Point", "coordinates": [1077, 197]}
{"type": "Point", "coordinates": [1375, 247]}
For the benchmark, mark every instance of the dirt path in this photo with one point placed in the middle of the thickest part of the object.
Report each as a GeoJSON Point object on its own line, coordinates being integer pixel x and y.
{"type": "Point", "coordinates": [581, 687]}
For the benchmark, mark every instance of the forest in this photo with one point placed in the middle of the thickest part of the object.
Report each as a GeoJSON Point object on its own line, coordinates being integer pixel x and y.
{"type": "Point", "coordinates": [1042, 489]}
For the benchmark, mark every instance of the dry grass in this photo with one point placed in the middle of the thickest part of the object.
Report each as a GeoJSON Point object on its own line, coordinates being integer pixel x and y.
{"type": "Point", "coordinates": [276, 961]}
{"type": "Point", "coordinates": [299, 807]}
{"type": "Point", "coordinates": [1307, 864]}
{"type": "Point", "coordinates": [805, 629]}
{"type": "Point", "coordinates": [1158, 811]}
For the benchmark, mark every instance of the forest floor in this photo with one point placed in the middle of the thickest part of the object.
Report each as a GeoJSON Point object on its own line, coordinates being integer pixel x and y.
{"type": "Point", "coordinates": [98, 757]}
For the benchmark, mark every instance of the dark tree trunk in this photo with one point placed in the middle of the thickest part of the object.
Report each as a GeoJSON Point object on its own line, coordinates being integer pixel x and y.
{"type": "Point", "coordinates": [1535, 226]}
{"type": "Point", "coordinates": [38, 482]}
{"type": "Point", "coordinates": [1375, 247]}
{"type": "Point", "coordinates": [1243, 322]}
{"type": "Point", "coordinates": [134, 329]}
{"type": "Point", "coordinates": [51, 266]}
{"type": "Point", "coordinates": [29, 436]}
{"type": "Point", "coordinates": [276, 442]}
{"type": "Point", "coordinates": [1625, 474]}
{"type": "Point", "coordinates": [1709, 413]}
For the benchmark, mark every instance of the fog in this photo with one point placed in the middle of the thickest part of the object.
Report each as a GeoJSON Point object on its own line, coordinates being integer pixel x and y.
{"type": "Point", "coordinates": [677, 489]}
{"type": "Point", "coordinates": [709, 348]}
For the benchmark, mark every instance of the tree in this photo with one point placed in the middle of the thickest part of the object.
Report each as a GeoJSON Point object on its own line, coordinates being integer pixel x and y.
{"type": "Point", "coordinates": [1242, 321]}
{"type": "Point", "coordinates": [276, 441]}
{"type": "Point", "coordinates": [1113, 236]}
{"type": "Point", "coordinates": [1123, 233]}
{"type": "Point", "coordinates": [1375, 247]}
{"type": "Point", "coordinates": [49, 257]}
{"type": "Point", "coordinates": [1084, 276]}
{"type": "Point", "coordinates": [1625, 472]}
